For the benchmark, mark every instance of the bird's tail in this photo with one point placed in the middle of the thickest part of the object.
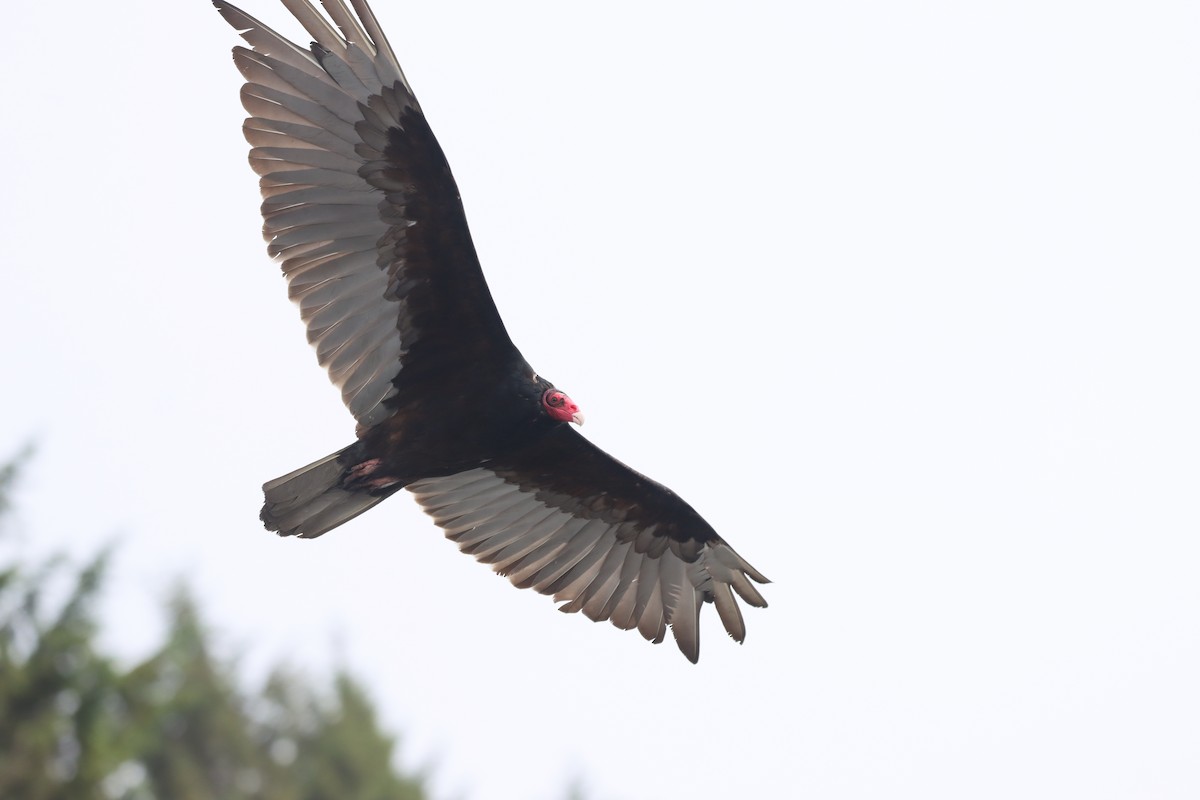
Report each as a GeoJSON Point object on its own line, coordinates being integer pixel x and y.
{"type": "Point", "coordinates": [312, 500]}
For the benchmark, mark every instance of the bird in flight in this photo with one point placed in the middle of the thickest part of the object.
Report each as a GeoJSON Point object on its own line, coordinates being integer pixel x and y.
{"type": "Point", "coordinates": [361, 211]}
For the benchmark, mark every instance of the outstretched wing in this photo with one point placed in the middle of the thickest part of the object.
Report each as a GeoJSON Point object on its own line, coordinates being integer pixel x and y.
{"type": "Point", "coordinates": [361, 209]}
{"type": "Point", "coordinates": [565, 518]}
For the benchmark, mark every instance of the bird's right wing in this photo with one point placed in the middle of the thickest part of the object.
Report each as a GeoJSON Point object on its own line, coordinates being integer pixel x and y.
{"type": "Point", "coordinates": [360, 207]}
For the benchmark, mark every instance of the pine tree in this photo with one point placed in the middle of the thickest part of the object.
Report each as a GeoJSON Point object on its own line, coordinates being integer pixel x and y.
{"type": "Point", "coordinates": [178, 726]}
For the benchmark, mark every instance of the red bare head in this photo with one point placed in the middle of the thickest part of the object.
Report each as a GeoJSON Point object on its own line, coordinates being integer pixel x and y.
{"type": "Point", "coordinates": [560, 407]}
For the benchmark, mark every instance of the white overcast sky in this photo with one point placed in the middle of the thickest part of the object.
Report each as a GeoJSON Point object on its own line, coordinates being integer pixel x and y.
{"type": "Point", "coordinates": [903, 297]}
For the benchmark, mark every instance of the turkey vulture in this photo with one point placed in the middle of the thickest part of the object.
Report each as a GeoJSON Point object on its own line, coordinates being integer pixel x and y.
{"type": "Point", "coordinates": [362, 212]}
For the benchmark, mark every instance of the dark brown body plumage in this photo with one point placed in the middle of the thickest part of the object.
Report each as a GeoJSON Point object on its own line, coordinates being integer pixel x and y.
{"type": "Point", "coordinates": [361, 210]}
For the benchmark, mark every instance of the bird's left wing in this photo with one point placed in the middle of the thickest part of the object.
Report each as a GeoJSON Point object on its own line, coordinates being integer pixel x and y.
{"type": "Point", "coordinates": [563, 517]}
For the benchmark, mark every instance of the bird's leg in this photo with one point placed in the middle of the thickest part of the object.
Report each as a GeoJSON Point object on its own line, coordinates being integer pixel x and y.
{"type": "Point", "coordinates": [364, 469]}
{"type": "Point", "coordinates": [360, 476]}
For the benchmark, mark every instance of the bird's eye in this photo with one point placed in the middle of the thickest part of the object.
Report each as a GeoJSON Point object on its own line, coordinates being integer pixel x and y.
{"type": "Point", "coordinates": [555, 400]}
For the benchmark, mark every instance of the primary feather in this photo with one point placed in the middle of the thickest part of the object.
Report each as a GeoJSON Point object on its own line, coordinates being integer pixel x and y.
{"type": "Point", "coordinates": [361, 210]}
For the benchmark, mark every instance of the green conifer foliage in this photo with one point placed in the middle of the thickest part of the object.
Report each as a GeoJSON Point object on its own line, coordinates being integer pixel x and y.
{"type": "Point", "coordinates": [77, 725]}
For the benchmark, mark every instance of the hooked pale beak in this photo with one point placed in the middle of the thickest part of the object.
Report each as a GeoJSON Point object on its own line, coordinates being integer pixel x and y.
{"type": "Point", "coordinates": [561, 408]}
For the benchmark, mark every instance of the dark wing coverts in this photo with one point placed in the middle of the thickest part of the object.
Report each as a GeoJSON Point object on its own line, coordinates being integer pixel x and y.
{"type": "Point", "coordinates": [361, 209]}
{"type": "Point", "coordinates": [565, 518]}
{"type": "Point", "coordinates": [363, 213]}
